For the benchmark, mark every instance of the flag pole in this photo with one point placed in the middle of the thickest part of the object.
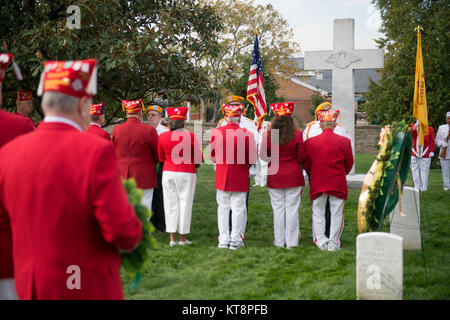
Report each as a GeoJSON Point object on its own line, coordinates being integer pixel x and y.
{"type": "Point", "coordinates": [255, 88]}
{"type": "Point", "coordinates": [420, 100]}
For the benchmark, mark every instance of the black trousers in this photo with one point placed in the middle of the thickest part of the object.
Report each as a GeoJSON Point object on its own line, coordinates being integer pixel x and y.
{"type": "Point", "coordinates": [327, 218]}
{"type": "Point", "coordinates": [158, 218]}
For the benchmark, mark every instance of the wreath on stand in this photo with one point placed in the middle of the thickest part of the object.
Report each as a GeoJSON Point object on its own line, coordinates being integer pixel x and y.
{"type": "Point", "coordinates": [133, 263]}
{"type": "Point", "coordinates": [383, 184]}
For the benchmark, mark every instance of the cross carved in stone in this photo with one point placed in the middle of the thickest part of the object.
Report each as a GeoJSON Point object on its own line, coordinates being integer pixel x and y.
{"type": "Point", "coordinates": [343, 60]}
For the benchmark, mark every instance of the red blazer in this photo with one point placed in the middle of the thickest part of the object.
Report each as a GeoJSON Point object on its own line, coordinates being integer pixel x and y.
{"type": "Point", "coordinates": [95, 129]}
{"type": "Point", "coordinates": [329, 159]}
{"type": "Point", "coordinates": [28, 119]}
{"type": "Point", "coordinates": [183, 141]}
{"type": "Point", "coordinates": [290, 159]}
{"type": "Point", "coordinates": [428, 142]}
{"type": "Point", "coordinates": [11, 126]}
{"type": "Point", "coordinates": [62, 191]}
{"type": "Point", "coordinates": [232, 175]}
{"type": "Point", "coordinates": [137, 148]}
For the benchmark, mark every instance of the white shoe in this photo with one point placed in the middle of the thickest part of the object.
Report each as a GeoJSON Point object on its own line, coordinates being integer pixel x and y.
{"type": "Point", "coordinates": [173, 243]}
{"type": "Point", "coordinates": [235, 246]}
{"type": "Point", "coordinates": [223, 246]}
{"type": "Point", "coordinates": [323, 246]}
{"type": "Point", "coordinates": [182, 243]}
{"type": "Point", "coordinates": [333, 247]}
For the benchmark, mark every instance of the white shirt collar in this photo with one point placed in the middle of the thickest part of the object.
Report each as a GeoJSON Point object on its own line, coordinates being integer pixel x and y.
{"type": "Point", "coordinates": [63, 120]}
{"type": "Point", "coordinates": [96, 124]}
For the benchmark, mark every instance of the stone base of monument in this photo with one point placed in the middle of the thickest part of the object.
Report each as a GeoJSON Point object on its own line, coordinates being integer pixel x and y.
{"type": "Point", "coordinates": [408, 225]}
{"type": "Point", "coordinates": [355, 181]}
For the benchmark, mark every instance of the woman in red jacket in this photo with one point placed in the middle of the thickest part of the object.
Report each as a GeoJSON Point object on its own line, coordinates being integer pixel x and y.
{"type": "Point", "coordinates": [285, 184]}
{"type": "Point", "coordinates": [180, 151]}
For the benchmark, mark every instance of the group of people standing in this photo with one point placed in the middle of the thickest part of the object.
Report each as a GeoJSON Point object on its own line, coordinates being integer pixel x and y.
{"type": "Point", "coordinates": [62, 204]}
{"type": "Point", "coordinates": [64, 214]}
{"type": "Point", "coordinates": [326, 157]}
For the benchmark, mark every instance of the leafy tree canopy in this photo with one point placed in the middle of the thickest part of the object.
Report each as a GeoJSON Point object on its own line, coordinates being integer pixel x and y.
{"type": "Point", "coordinates": [392, 99]}
{"type": "Point", "coordinates": [242, 20]}
{"type": "Point", "coordinates": [144, 48]}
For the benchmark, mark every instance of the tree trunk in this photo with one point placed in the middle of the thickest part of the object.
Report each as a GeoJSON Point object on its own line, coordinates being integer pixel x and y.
{"type": "Point", "coordinates": [203, 111]}
{"type": "Point", "coordinates": [216, 114]}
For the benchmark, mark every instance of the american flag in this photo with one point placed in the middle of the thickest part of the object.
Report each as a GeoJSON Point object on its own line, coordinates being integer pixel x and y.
{"type": "Point", "coordinates": [255, 88]}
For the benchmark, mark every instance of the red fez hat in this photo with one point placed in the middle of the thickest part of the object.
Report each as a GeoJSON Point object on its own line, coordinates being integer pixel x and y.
{"type": "Point", "coordinates": [232, 110]}
{"type": "Point", "coordinates": [74, 78]}
{"type": "Point", "coordinates": [327, 115]}
{"type": "Point", "coordinates": [24, 95]}
{"type": "Point", "coordinates": [5, 60]}
{"type": "Point", "coordinates": [97, 109]}
{"type": "Point", "coordinates": [178, 113]}
{"type": "Point", "coordinates": [283, 108]}
{"type": "Point", "coordinates": [132, 106]}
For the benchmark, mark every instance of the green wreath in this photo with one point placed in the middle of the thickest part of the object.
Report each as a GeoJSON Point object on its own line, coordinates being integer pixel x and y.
{"type": "Point", "coordinates": [386, 177]}
{"type": "Point", "coordinates": [133, 263]}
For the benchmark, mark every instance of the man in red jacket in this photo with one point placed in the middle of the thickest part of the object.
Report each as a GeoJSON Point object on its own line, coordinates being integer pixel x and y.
{"type": "Point", "coordinates": [11, 126]}
{"type": "Point", "coordinates": [97, 121]}
{"type": "Point", "coordinates": [233, 149]}
{"type": "Point", "coordinates": [329, 159]}
{"type": "Point", "coordinates": [61, 188]}
{"type": "Point", "coordinates": [421, 157]}
{"type": "Point", "coordinates": [137, 147]}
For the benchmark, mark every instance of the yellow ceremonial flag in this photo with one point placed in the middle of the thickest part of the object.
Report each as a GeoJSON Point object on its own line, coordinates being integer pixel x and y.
{"type": "Point", "coordinates": [420, 97]}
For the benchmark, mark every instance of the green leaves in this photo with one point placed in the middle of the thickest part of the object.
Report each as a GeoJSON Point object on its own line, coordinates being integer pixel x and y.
{"type": "Point", "coordinates": [392, 161]}
{"type": "Point", "coordinates": [144, 48]}
{"type": "Point", "coordinates": [134, 262]}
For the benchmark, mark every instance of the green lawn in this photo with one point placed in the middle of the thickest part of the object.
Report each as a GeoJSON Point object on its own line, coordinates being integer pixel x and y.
{"type": "Point", "coordinates": [262, 271]}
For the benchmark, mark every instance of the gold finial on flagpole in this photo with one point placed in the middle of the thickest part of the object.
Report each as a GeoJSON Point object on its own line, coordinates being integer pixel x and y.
{"type": "Point", "coordinates": [255, 30]}
{"type": "Point", "coordinates": [418, 28]}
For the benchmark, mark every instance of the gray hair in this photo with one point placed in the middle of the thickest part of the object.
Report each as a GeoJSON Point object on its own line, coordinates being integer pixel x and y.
{"type": "Point", "coordinates": [60, 102]}
{"type": "Point", "coordinates": [328, 124]}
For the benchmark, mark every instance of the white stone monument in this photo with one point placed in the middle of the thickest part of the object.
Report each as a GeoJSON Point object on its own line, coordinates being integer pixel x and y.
{"type": "Point", "coordinates": [343, 60]}
{"type": "Point", "coordinates": [379, 266]}
{"type": "Point", "coordinates": [408, 225]}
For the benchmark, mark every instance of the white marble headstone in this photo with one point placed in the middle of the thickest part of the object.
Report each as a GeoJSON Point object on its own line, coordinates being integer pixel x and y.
{"type": "Point", "coordinates": [408, 225]}
{"type": "Point", "coordinates": [379, 266]}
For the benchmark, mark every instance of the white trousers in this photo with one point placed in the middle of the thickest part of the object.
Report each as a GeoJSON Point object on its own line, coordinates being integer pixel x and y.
{"type": "Point", "coordinates": [178, 192]}
{"type": "Point", "coordinates": [286, 224]}
{"type": "Point", "coordinates": [147, 198]}
{"type": "Point", "coordinates": [420, 168]}
{"type": "Point", "coordinates": [7, 289]}
{"type": "Point", "coordinates": [445, 165]}
{"type": "Point", "coordinates": [236, 201]}
{"type": "Point", "coordinates": [262, 169]}
{"type": "Point", "coordinates": [336, 219]}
